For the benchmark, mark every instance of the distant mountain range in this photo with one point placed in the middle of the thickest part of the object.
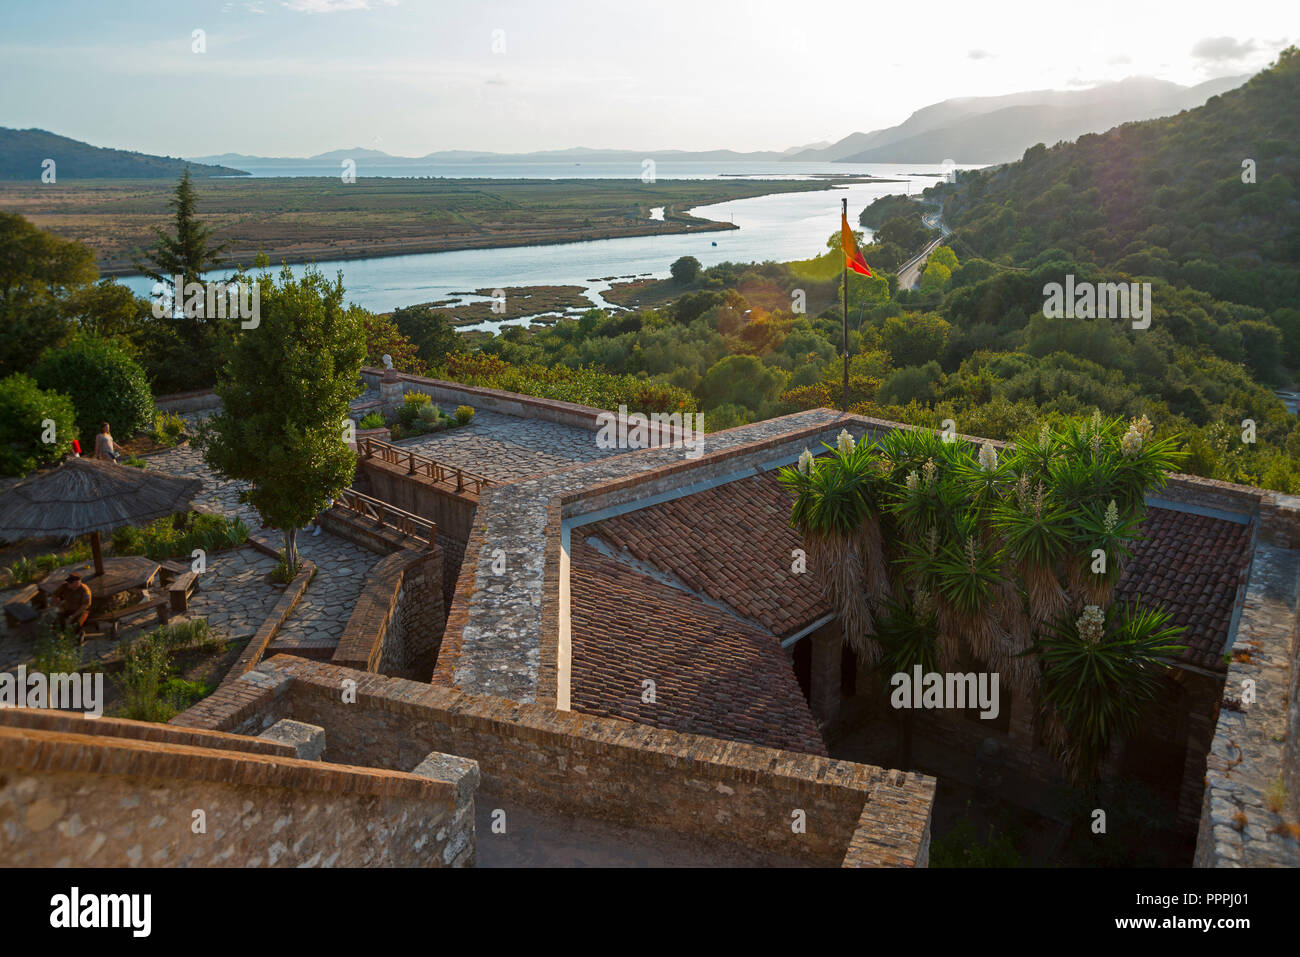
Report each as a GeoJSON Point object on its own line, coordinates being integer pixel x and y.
{"type": "Point", "coordinates": [968, 130]}
{"type": "Point", "coordinates": [22, 153]}
{"type": "Point", "coordinates": [998, 129]}
{"type": "Point", "coordinates": [976, 130]}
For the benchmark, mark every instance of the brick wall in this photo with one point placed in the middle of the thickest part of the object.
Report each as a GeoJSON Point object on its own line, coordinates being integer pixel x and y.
{"type": "Point", "coordinates": [396, 625]}
{"type": "Point", "coordinates": [127, 794]}
{"type": "Point", "coordinates": [610, 769]}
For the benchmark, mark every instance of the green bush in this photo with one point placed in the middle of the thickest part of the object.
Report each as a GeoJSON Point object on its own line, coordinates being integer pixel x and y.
{"type": "Point", "coordinates": [177, 694]}
{"type": "Point", "coordinates": [105, 384]}
{"type": "Point", "coordinates": [57, 652]}
{"type": "Point", "coordinates": [146, 666]}
{"type": "Point", "coordinates": [168, 427]}
{"type": "Point", "coordinates": [962, 847]}
{"type": "Point", "coordinates": [428, 417]}
{"type": "Point", "coordinates": [464, 414]}
{"type": "Point", "coordinates": [170, 538]}
{"type": "Point", "coordinates": [371, 421]}
{"type": "Point", "coordinates": [24, 409]}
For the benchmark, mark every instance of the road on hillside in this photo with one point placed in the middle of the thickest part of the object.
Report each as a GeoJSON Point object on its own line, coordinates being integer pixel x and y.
{"type": "Point", "coordinates": [909, 274]}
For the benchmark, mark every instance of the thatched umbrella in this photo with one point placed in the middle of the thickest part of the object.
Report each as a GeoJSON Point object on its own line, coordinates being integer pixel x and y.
{"type": "Point", "coordinates": [89, 496]}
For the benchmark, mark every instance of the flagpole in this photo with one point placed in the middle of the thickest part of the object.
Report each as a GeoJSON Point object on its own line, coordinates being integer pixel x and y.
{"type": "Point", "coordinates": [844, 398]}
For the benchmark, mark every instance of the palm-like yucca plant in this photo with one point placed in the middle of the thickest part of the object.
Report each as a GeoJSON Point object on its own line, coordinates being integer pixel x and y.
{"type": "Point", "coordinates": [1099, 671]}
{"type": "Point", "coordinates": [969, 575]}
{"type": "Point", "coordinates": [835, 509]}
{"type": "Point", "coordinates": [1098, 529]}
{"type": "Point", "coordinates": [1037, 531]}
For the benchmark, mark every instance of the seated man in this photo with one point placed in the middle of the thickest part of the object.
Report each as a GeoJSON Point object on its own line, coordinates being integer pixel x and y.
{"type": "Point", "coordinates": [74, 598]}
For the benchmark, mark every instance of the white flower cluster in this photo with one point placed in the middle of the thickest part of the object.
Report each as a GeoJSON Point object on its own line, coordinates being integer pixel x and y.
{"type": "Point", "coordinates": [913, 480]}
{"type": "Point", "coordinates": [929, 470]}
{"type": "Point", "coordinates": [1112, 516]}
{"type": "Point", "coordinates": [805, 462]}
{"type": "Point", "coordinates": [1092, 624]}
{"type": "Point", "coordinates": [988, 457]}
{"type": "Point", "coordinates": [845, 442]}
{"type": "Point", "coordinates": [1138, 434]}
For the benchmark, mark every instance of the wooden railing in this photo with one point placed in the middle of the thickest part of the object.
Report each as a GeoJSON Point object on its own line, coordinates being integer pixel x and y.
{"type": "Point", "coordinates": [388, 516]}
{"type": "Point", "coordinates": [416, 464]}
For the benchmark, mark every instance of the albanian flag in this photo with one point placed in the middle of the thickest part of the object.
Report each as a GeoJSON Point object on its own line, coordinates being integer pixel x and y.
{"type": "Point", "coordinates": [852, 256]}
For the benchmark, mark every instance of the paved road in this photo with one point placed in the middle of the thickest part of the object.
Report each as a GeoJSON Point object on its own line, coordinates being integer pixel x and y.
{"type": "Point", "coordinates": [909, 274]}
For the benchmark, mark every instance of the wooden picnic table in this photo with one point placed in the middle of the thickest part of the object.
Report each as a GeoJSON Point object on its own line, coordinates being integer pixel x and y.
{"type": "Point", "coordinates": [124, 573]}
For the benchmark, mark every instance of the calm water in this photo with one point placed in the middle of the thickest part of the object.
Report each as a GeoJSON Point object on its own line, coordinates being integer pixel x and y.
{"type": "Point", "coordinates": [780, 227]}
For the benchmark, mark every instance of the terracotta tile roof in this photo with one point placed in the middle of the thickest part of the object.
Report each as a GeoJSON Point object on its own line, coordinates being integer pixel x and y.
{"type": "Point", "coordinates": [713, 674]}
{"type": "Point", "coordinates": [732, 543]}
{"type": "Point", "coordinates": [1192, 565]}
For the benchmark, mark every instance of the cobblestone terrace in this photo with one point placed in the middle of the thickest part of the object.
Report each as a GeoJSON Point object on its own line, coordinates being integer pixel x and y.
{"type": "Point", "coordinates": [341, 567]}
{"type": "Point", "coordinates": [506, 448]}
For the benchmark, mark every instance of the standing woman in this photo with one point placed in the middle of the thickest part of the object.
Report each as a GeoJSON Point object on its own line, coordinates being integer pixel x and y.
{"type": "Point", "coordinates": [105, 447]}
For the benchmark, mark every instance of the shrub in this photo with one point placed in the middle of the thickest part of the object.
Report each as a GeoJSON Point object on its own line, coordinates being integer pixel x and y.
{"type": "Point", "coordinates": [962, 847]}
{"type": "Point", "coordinates": [178, 693]}
{"type": "Point", "coordinates": [56, 651]}
{"type": "Point", "coordinates": [105, 384]}
{"type": "Point", "coordinates": [168, 427]}
{"type": "Point", "coordinates": [372, 420]}
{"type": "Point", "coordinates": [24, 408]}
{"type": "Point", "coordinates": [146, 663]}
{"type": "Point", "coordinates": [166, 538]}
{"type": "Point", "coordinates": [428, 417]}
{"type": "Point", "coordinates": [464, 414]}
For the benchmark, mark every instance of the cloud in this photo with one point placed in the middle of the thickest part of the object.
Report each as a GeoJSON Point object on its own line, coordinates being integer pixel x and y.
{"type": "Point", "coordinates": [1219, 49]}
{"type": "Point", "coordinates": [980, 55]}
{"type": "Point", "coordinates": [1118, 59]}
{"type": "Point", "coordinates": [335, 6]}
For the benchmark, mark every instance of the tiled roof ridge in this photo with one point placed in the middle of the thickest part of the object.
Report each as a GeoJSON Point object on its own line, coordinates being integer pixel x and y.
{"type": "Point", "coordinates": [665, 577]}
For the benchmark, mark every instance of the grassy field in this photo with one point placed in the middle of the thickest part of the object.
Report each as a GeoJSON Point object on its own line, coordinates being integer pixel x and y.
{"type": "Point", "coordinates": [520, 301]}
{"type": "Point", "coordinates": [307, 218]}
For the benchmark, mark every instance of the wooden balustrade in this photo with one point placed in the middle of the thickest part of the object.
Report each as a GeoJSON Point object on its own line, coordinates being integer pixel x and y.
{"type": "Point", "coordinates": [388, 516]}
{"type": "Point", "coordinates": [457, 479]}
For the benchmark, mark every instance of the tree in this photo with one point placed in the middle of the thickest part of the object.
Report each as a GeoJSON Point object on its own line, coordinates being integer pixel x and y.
{"type": "Point", "coordinates": [685, 270]}
{"type": "Point", "coordinates": [285, 388]}
{"type": "Point", "coordinates": [740, 380]}
{"type": "Point", "coordinates": [915, 340]}
{"type": "Point", "coordinates": [37, 272]}
{"type": "Point", "coordinates": [104, 383]}
{"type": "Point", "coordinates": [190, 252]}
{"type": "Point", "coordinates": [934, 278]}
{"type": "Point", "coordinates": [383, 338]}
{"type": "Point", "coordinates": [944, 257]}
{"type": "Point", "coordinates": [28, 416]}
{"type": "Point", "coordinates": [432, 332]}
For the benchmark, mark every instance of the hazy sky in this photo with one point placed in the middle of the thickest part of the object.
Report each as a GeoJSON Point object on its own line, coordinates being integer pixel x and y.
{"type": "Point", "coordinates": [297, 77]}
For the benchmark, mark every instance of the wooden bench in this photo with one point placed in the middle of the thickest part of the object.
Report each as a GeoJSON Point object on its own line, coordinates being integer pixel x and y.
{"type": "Point", "coordinates": [112, 619]}
{"type": "Point", "coordinates": [19, 610]}
{"type": "Point", "coordinates": [181, 588]}
{"type": "Point", "coordinates": [171, 570]}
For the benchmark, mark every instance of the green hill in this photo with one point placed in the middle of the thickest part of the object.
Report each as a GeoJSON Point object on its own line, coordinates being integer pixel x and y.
{"type": "Point", "coordinates": [23, 151]}
{"type": "Point", "coordinates": [1161, 198]}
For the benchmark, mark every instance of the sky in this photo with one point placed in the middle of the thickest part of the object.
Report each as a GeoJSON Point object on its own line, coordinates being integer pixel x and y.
{"type": "Point", "coordinates": [299, 77]}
